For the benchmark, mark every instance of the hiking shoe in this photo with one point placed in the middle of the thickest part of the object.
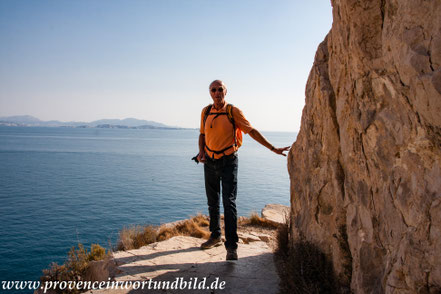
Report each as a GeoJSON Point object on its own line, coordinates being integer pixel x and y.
{"type": "Point", "coordinates": [212, 242]}
{"type": "Point", "coordinates": [231, 254]}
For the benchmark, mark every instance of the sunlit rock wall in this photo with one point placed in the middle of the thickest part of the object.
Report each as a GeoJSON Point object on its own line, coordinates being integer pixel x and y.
{"type": "Point", "coordinates": [366, 167]}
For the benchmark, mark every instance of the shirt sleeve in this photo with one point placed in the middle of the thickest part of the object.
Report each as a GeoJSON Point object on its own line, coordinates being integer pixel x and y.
{"type": "Point", "coordinates": [240, 120]}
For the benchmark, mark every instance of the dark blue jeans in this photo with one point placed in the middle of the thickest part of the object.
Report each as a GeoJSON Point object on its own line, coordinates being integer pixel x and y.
{"type": "Point", "coordinates": [222, 171]}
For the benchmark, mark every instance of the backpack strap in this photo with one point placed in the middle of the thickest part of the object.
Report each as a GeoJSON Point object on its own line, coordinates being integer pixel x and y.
{"type": "Point", "coordinates": [231, 118]}
{"type": "Point", "coordinates": [207, 112]}
{"type": "Point", "coordinates": [219, 151]}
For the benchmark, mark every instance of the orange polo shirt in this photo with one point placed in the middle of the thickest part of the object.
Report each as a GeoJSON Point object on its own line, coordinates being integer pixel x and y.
{"type": "Point", "coordinates": [218, 130]}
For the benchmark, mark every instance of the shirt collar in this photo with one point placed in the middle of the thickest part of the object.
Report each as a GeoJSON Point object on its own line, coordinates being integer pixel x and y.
{"type": "Point", "coordinates": [220, 110]}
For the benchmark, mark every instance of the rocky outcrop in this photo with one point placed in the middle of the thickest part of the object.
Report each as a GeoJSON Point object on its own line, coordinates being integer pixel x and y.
{"type": "Point", "coordinates": [180, 258]}
{"type": "Point", "coordinates": [178, 265]}
{"type": "Point", "coordinates": [366, 167]}
{"type": "Point", "coordinates": [276, 213]}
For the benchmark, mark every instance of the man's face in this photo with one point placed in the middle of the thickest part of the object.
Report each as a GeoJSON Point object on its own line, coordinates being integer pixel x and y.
{"type": "Point", "coordinates": [218, 92]}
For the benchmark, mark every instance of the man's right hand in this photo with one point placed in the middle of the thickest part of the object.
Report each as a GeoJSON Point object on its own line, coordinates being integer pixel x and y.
{"type": "Point", "coordinates": [201, 157]}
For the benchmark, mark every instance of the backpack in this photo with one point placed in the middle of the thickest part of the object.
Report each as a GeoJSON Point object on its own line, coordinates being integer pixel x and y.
{"type": "Point", "coordinates": [237, 133]}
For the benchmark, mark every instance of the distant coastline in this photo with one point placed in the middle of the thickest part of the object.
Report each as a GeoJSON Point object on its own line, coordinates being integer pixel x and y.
{"type": "Point", "coordinates": [146, 127]}
{"type": "Point", "coordinates": [128, 123]}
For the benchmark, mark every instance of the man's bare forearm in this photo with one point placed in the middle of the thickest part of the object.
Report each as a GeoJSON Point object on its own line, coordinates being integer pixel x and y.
{"type": "Point", "coordinates": [256, 135]}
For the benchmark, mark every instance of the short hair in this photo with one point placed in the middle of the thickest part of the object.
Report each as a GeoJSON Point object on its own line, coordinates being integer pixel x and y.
{"type": "Point", "coordinates": [219, 82]}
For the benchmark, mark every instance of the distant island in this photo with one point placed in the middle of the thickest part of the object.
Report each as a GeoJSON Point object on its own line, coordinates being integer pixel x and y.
{"type": "Point", "coordinates": [128, 123]}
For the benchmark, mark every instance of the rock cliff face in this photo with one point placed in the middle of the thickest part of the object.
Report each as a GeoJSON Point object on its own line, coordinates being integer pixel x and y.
{"type": "Point", "coordinates": [366, 167]}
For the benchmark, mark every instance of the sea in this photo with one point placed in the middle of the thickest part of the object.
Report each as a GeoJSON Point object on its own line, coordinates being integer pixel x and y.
{"type": "Point", "coordinates": [64, 186]}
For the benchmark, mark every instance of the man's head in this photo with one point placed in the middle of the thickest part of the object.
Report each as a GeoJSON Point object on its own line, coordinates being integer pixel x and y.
{"type": "Point", "coordinates": [218, 91]}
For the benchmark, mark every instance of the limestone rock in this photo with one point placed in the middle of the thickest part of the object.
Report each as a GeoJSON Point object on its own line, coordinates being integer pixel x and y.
{"type": "Point", "coordinates": [181, 257]}
{"type": "Point", "coordinates": [101, 270]}
{"type": "Point", "coordinates": [276, 213]}
{"type": "Point", "coordinates": [248, 237]}
{"type": "Point", "coordinates": [262, 236]}
{"type": "Point", "coordinates": [366, 167]}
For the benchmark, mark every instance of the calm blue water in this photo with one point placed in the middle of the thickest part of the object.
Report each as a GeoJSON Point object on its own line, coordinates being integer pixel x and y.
{"type": "Point", "coordinates": [61, 186]}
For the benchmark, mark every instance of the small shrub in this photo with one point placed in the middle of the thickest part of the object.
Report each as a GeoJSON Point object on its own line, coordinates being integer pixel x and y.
{"type": "Point", "coordinates": [75, 266]}
{"type": "Point", "coordinates": [201, 220]}
{"type": "Point", "coordinates": [126, 236]}
{"type": "Point", "coordinates": [166, 233]}
{"type": "Point", "coordinates": [255, 220]}
{"type": "Point", "coordinates": [186, 228]}
{"type": "Point", "coordinates": [55, 272]}
{"type": "Point", "coordinates": [77, 260]}
{"type": "Point", "coordinates": [191, 228]}
{"type": "Point", "coordinates": [302, 266]}
{"type": "Point", "coordinates": [145, 237]}
{"type": "Point", "coordinates": [136, 236]}
{"type": "Point", "coordinates": [311, 269]}
{"type": "Point", "coordinates": [97, 253]}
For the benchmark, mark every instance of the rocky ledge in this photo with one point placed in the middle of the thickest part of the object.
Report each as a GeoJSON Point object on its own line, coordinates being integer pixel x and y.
{"type": "Point", "coordinates": [180, 262]}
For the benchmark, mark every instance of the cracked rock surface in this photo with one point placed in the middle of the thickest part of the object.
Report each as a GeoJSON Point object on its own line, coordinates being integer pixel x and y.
{"type": "Point", "coordinates": [366, 167]}
{"type": "Point", "coordinates": [181, 257]}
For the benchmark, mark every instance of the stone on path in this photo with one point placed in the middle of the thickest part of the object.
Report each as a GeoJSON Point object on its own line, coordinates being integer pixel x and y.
{"type": "Point", "coordinates": [276, 213]}
{"type": "Point", "coordinates": [248, 237]}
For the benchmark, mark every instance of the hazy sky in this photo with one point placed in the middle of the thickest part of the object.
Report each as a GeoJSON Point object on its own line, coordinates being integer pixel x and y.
{"type": "Point", "coordinates": [154, 59]}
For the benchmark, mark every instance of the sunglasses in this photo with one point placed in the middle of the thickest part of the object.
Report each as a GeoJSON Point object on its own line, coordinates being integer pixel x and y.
{"type": "Point", "coordinates": [218, 89]}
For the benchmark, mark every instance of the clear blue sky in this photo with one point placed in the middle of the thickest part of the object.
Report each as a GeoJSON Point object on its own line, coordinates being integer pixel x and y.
{"type": "Point", "coordinates": [154, 59]}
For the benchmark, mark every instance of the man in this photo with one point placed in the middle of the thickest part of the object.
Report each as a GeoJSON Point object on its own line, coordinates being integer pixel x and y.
{"type": "Point", "coordinates": [219, 140]}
